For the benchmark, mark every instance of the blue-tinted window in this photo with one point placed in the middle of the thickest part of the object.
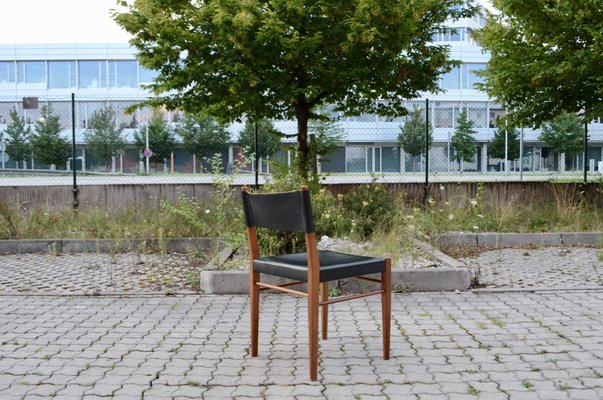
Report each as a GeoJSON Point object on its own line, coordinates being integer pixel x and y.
{"type": "Point", "coordinates": [451, 79]}
{"type": "Point", "coordinates": [93, 74]}
{"type": "Point", "coordinates": [123, 74]}
{"type": "Point", "coordinates": [61, 74]}
{"type": "Point", "coordinates": [355, 159]}
{"type": "Point", "coordinates": [469, 77]}
{"type": "Point", "coordinates": [7, 72]}
{"type": "Point", "coordinates": [147, 75]}
{"type": "Point", "coordinates": [31, 71]}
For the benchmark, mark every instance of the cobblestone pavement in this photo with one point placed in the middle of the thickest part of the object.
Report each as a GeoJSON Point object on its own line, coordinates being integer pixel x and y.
{"type": "Point", "coordinates": [544, 267]}
{"type": "Point", "coordinates": [97, 273]}
{"type": "Point", "coordinates": [513, 345]}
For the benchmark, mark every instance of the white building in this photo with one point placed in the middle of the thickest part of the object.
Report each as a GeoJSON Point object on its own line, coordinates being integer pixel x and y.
{"type": "Point", "coordinates": [103, 75]}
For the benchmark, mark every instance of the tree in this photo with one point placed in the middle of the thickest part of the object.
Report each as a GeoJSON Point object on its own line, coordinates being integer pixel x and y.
{"type": "Point", "coordinates": [329, 135]}
{"type": "Point", "coordinates": [496, 148]}
{"type": "Point", "coordinates": [283, 59]}
{"type": "Point", "coordinates": [161, 138]}
{"type": "Point", "coordinates": [545, 58]}
{"type": "Point", "coordinates": [18, 134]}
{"type": "Point", "coordinates": [203, 136]}
{"type": "Point", "coordinates": [269, 139]}
{"type": "Point", "coordinates": [412, 135]}
{"type": "Point", "coordinates": [462, 140]}
{"type": "Point", "coordinates": [47, 144]}
{"type": "Point", "coordinates": [104, 136]}
{"type": "Point", "coordinates": [564, 134]}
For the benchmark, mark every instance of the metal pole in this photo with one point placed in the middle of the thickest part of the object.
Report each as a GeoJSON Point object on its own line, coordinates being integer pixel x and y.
{"type": "Point", "coordinates": [426, 150]}
{"type": "Point", "coordinates": [585, 148]}
{"type": "Point", "coordinates": [75, 189]}
{"type": "Point", "coordinates": [3, 148]}
{"type": "Point", "coordinates": [506, 146]}
{"type": "Point", "coordinates": [521, 154]}
{"type": "Point", "coordinates": [147, 147]}
{"type": "Point", "coordinates": [257, 158]}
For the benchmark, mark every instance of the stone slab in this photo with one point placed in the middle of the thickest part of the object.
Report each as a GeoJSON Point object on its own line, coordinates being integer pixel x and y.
{"type": "Point", "coordinates": [450, 239]}
{"type": "Point", "coordinates": [102, 245]}
{"type": "Point", "coordinates": [586, 238]}
{"type": "Point", "coordinates": [415, 280]}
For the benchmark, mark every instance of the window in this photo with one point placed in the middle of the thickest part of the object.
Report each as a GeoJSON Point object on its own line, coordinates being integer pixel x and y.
{"type": "Point", "coordinates": [123, 74]}
{"type": "Point", "coordinates": [469, 77]}
{"type": "Point", "coordinates": [7, 72]}
{"type": "Point", "coordinates": [476, 112]}
{"type": "Point", "coordinates": [495, 114]}
{"type": "Point", "coordinates": [31, 71]}
{"type": "Point", "coordinates": [451, 79]}
{"type": "Point", "coordinates": [390, 159]}
{"type": "Point", "coordinates": [93, 74]}
{"type": "Point", "coordinates": [147, 75]}
{"type": "Point", "coordinates": [61, 74]}
{"type": "Point", "coordinates": [355, 159]}
{"type": "Point", "coordinates": [442, 115]}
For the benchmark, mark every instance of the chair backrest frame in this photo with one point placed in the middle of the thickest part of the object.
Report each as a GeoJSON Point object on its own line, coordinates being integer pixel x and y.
{"type": "Point", "coordinates": [285, 211]}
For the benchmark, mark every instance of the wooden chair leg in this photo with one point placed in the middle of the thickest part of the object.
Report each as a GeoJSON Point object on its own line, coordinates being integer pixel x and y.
{"type": "Point", "coordinates": [386, 306]}
{"type": "Point", "coordinates": [254, 297]}
{"type": "Point", "coordinates": [324, 296]}
{"type": "Point", "coordinates": [313, 294]}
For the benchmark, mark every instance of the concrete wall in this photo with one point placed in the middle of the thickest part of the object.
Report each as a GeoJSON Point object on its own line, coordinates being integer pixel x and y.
{"type": "Point", "coordinates": [111, 196]}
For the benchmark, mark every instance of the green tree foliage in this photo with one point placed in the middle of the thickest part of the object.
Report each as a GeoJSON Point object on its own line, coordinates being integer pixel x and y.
{"type": "Point", "coordinates": [203, 136]}
{"type": "Point", "coordinates": [545, 58]}
{"type": "Point", "coordinates": [564, 134]}
{"type": "Point", "coordinates": [48, 146]}
{"type": "Point", "coordinates": [463, 140]}
{"type": "Point", "coordinates": [412, 134]}
{"type": "Point", "coordinates": [328, 133]}
{"type": "Point", "coordinates": [161, 138]}
{"type": "Point", "coordinates": [104, 136]}
{"type": "Point", "coordinates": [269, 139]}
{"type": "Point", "coordinates": [18, 134]}
{"type": "Point", "coordinates": [496, 148]}
{"type": "Point", "coordinates": [283, 59]}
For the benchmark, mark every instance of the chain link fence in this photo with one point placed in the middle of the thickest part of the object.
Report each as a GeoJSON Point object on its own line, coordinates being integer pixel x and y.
{"type": "Point", "coordinates": [114, 144]}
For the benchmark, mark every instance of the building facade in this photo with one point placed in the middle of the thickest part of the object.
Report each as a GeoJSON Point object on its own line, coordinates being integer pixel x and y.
{"type": "Point", "coordinates": [108, 75]}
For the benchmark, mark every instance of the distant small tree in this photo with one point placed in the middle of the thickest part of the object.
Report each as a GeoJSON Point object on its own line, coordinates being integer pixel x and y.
{"type": "Point", "coordinates": [104, 136]}
{"type": "Point", "coordinates": [203, 136]}
{"type": "Point", "coordinates": [269, 139]}
{"type": "Point", "coordinates": [329, 135]}
{"type": "Point", "coordinates": [161, 138]}
{"type": "Point", "coordinates": [47, 145]}
{"type": "Point", "coordinates": [496, 148]}
{"type": "Point", "coordinates": [412, 135]}
{"type": "Point", "coordinates": [18, 134]}
{"type": "Point", "coordinates": [463, 140]}
{"type": "Point", "coordinates": [564, 134]}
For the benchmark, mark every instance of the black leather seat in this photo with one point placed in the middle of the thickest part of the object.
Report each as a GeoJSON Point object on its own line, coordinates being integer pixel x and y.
{"type": "Point", "coordinates": [333, 265]}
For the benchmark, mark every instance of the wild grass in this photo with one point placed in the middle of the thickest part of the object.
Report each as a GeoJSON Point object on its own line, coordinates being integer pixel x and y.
{"type": "Point", "coordinates": [369, 212]}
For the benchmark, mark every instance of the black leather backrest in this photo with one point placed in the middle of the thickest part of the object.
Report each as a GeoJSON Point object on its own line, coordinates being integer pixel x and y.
{"type": "Point", "coordinates": [287, 211]}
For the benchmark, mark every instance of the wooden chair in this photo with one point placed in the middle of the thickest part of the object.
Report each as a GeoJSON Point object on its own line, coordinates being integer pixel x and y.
{"type": "Point", "coordinates": [292, 211]}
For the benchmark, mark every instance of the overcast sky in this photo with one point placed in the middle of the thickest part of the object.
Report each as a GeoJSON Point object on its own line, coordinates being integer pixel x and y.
{"type": "Point", "coordinates": [62, 21]}
{"type": "Point", "coordinates": [59, 21]}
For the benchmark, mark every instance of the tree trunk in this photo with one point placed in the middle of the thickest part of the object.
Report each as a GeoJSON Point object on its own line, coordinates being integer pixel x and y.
{"type": "Point", "coordinates": [302, 113]}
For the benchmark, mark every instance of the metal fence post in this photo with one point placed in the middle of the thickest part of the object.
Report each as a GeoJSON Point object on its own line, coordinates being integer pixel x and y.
{"type": "Point", "coordinates": [426, 150]}
{"type": "Point", "coordinates": [73, 159]}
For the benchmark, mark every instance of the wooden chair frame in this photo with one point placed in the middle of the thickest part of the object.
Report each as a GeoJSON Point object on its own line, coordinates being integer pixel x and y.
{"type": "Point", "coordinates": [318, 297]}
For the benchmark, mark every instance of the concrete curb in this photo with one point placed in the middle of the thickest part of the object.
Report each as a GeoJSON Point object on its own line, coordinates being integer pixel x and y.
{"type": "Point", "coordinates": [415, 280]}
{"type": "Point", "coordinates": [456, 276]}
{"type": "Point", "coordinates": [451, 239]}
{"type": "Point", "coordinates": [59, 246]}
